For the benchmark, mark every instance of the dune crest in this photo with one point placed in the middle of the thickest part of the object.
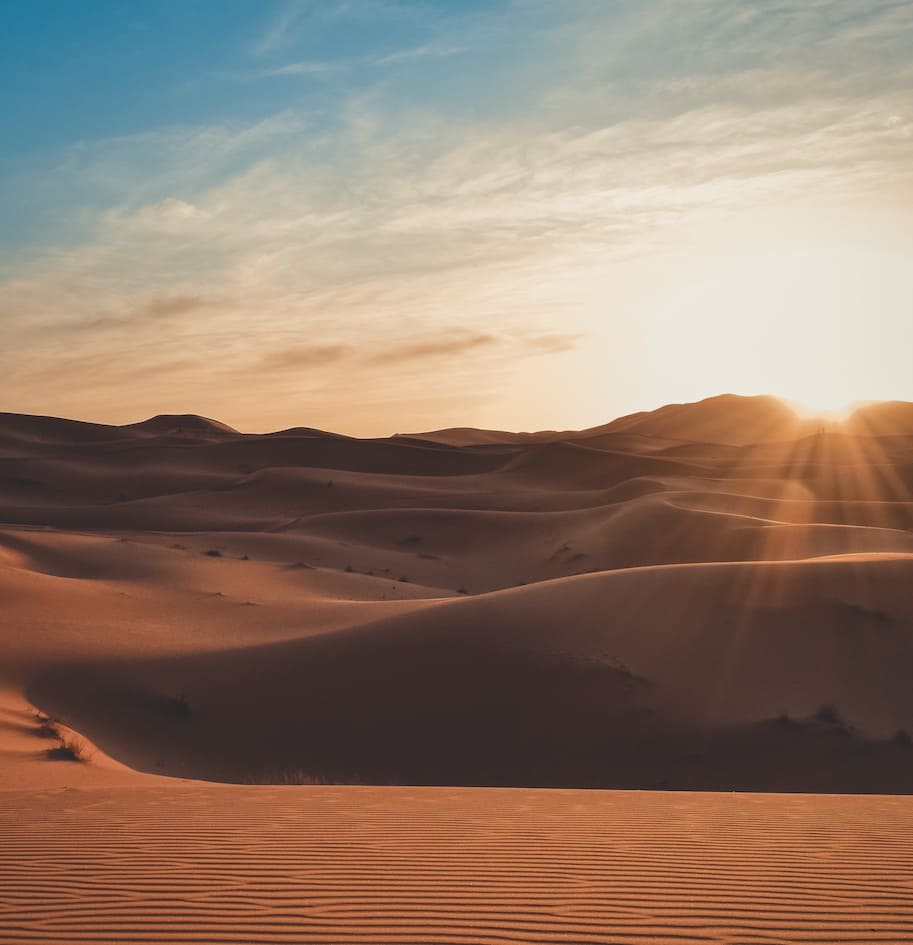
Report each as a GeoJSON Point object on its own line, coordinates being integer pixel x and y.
{"type": "Point", "coordinates": [302, 687]}
{"type": "Point", "coordinates": [705, 596]}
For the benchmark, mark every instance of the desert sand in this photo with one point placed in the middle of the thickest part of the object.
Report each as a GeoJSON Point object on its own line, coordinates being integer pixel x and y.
{"type": "Point", "coordinates": [303, 687]}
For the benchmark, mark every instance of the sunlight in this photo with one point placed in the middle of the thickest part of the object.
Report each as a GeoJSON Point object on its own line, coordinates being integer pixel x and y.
{"type": "Point", "coordinates": [835, 410]}
{"type": "Point", "coordinates": [794, 320]}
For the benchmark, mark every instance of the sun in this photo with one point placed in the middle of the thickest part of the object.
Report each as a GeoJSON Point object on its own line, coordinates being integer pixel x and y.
{"type": "Point", "coordinates": [834, 408]}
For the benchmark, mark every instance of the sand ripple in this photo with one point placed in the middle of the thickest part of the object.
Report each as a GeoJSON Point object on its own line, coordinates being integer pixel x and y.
{"type": "Point", "coordinates": [487, 867]}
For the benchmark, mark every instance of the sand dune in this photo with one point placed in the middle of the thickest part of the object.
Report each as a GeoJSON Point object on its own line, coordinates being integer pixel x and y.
{"type": "Point", "coordinates": [629, 606]}
{"type": "Point", "coordinates": [709, 597]}
{"type": "Point", "coordinates": [593, 680]}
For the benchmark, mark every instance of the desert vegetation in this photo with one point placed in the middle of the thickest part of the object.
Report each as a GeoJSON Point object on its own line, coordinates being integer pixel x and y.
{"type": "Point", "coordinates": [69, 747]}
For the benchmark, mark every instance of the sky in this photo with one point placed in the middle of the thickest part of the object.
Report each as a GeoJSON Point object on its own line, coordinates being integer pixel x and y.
{"type": "Point", "coordinates": [379, 216]}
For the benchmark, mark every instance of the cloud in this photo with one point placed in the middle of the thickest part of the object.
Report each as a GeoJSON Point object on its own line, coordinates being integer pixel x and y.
{"type": "Point", "coordinates": [450, 344]}
{"type": "Point", "coordinates": [301, 357]}
{"type": "Point", "coordinates": [302, 68]}
{"type": "Point", "coordinates": [281, 27]}
{"type": "Point", "coordinates": [293, 16]}
{"type": "Point", "coordinates": [432, 50]}
{"type": "Point", "coordinates": [166, 308]}
{"type": "Point", "coordinates": [160, 312]}
{"type": "Point", "coordinates": [461, 343]}
{"type": "Point", "coordinates": [375, 241]}
{"type": "Point", "coordinates": [376, 224]}
{"type": "Point", "coordinates": [553, 343]}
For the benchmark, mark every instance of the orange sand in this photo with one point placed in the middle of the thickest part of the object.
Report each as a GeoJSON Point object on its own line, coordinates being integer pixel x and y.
{"type": "Point", "coordinates": [667, 601]}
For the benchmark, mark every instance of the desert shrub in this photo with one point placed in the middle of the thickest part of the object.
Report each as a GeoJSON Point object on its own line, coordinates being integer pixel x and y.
{"type": "Point", "coordinates": [349, 569]}
{"type": "Point", "coordinates": [404, 580]}
{"type": "Point", "coordinates": [878, 615]}
{"type": "Point", "coordinates": [828, 714]}
{"type": "Point", "coordinates": [462, 590]}
{"type": "Point", "coordinates": [47, 727]}
{"type": "Point", "coordinates": [69, 748]}
{"type": "Point", "coordinates": [213, 553]}
{"type": "Point", "coordinates": [178, 706]}
{"type": "Point", "coordinates": [785, 720]}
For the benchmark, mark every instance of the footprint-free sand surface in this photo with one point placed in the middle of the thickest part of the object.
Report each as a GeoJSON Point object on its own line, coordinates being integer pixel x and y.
{"type": "Point", "coordinates": [435, 865]}
{"type": "Point", "coordinates": [648, 682]}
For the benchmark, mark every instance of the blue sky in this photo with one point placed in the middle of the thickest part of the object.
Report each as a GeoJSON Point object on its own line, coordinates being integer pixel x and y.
{"type": "Point", "coordinates": [76, 73]}
{"type": "Point", "coordinates": [104, 69]}
{"type": "Point", "coordinates": [305, 200]}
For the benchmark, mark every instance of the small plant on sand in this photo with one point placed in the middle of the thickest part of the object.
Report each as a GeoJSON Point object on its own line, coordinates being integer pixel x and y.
{"type": "Point", "coordinates": [70, 748]}
{"type": "Point", "coordinates": [902, 739]}
{"type": "Point", "coordinates": [462, 590]}
{"type": "Point", "coordinates": [349, 569]}
{"type": "Point", "coordinates": [785, 720]}
{"type": "Point", "coordinates": [404, 580]}
{"type": "Point", "coordinates": [213, 553]}
{"type": "Point", "coordinates": [178, 706]}
{"type": "Point", "coordinates": [828, 714]}
{"type": "Point", "coordinates": [47, 727]}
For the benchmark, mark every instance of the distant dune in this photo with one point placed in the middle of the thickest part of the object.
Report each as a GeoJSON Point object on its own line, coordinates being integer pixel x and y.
{"type": "Point", "coordinates": [708, 596]}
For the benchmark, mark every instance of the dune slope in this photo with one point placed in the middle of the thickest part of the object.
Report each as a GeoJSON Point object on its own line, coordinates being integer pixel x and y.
{"type": "Point", "coordinates": [710, 596]}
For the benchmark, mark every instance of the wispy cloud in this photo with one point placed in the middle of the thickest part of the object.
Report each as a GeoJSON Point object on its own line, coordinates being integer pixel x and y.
{"type": "Point", "coordinates": [556, 343]}
{"type": "Point", "coordinates": [302, 357]}
{"type": "Point", "coordinates": [460, 343]}
{"type": "Point", "coordinates": [304, 68]}
{"type": "Point", "coordinates": [317, 68]}
{"type": "Point", "coordinates": [426, 51]}
{"type": "Point", "coordinates": [274, 253]}
{"type": "Point", "coordinates": [294, 17]}
{"type": "Point", "coordinates": [156, 312]}
{"type": "Point", "coordinates": [281, 26]}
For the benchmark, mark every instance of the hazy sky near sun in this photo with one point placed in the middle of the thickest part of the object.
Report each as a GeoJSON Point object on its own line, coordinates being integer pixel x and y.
{"type": "Point", "coordinates": [391, 215]}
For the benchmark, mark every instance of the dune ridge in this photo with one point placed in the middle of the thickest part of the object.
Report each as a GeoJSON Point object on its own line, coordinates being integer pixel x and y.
{"type": "Point", "coordinates": [301, 687]}
{"type": "Point", "coordinates": [707, 596]}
